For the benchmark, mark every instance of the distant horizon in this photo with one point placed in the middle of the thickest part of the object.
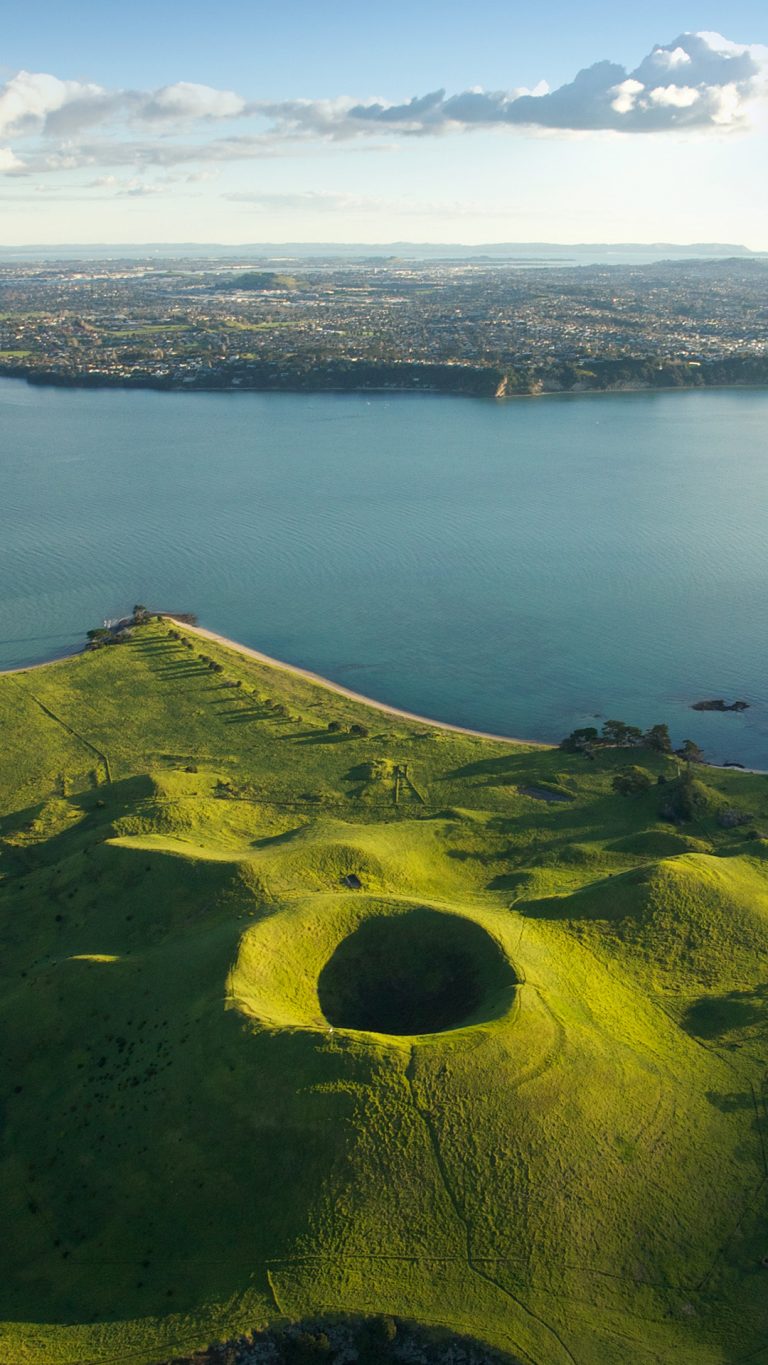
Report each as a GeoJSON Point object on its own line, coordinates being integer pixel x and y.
{"type": "Point", "coordinates": [391, 245]}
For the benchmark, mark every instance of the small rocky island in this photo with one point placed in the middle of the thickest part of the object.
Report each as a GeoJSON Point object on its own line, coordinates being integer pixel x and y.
{"type": "Point", "coordinates": [717, 704]}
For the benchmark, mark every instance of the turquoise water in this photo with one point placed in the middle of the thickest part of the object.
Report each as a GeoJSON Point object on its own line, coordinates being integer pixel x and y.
{"type": "Point", "coordinates": [516, 567]}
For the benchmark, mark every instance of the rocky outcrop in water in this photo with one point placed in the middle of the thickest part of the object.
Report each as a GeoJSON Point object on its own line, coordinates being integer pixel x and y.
{"type": "Point", "coordinates": [717, 704]}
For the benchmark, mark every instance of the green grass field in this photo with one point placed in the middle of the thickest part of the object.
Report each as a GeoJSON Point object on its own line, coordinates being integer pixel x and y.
{"type": "Point", "coordinates": [510, 1080]}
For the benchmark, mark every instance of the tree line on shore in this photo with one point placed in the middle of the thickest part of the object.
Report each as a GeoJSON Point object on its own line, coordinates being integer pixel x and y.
{"type": "Point", "coordinates": [616, 734]}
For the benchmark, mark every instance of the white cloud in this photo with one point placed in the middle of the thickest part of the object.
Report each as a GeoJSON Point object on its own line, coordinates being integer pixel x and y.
{"type": "Point", "coordinates": [34, 103]}
{"type": "Point", "coordinates": [10, 163]}
{"type": "Point", "coordinates": [139, 189]}
{"type": "Point", "coordinates": [700, 82]}
{"type": "Point", "coordinates": [674, 96]}
{"type": "Point", "coordinates": [186, 101]}
{"type": "Point", "coordinates": [29, 98]}
{"type": "Point", "coordinates": [718, 43]}
{"type": "Point", "coordinates": [670, 57]}
{"type": "Point", "coordinates": [726, 107]}
{"type": "Point", "coordinates": [626, 93]}
{"type": "Point", "coordinates": [721, 79]}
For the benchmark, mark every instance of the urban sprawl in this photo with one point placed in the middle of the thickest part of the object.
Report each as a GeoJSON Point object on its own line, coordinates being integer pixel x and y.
{"type": "Point", "coordinates": [385, 324]}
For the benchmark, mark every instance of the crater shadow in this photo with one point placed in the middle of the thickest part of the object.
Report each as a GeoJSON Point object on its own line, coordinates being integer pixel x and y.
{"type": "Point", "coordinates": [423, 971]}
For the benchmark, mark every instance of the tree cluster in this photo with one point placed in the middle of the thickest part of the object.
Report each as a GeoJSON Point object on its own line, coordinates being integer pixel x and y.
{"type": "Point", "coordinates": [616, 734]}
{"type": "Point", "coordinates": [102, 636]}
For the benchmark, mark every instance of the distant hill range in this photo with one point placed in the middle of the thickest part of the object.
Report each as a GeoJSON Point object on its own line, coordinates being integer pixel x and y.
{"type": "Point", "coordinates": [284, 253]}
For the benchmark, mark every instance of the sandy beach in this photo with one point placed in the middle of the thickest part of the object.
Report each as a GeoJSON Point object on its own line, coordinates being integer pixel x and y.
{"type": "Point", "coordinates": [343, 691]}
{"type": "Point", "coordinates": [301, 673]}
{"type": "Point", "coordinates": [346, 691]}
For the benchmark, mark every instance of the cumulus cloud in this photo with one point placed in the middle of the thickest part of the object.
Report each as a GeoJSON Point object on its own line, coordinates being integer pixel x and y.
{"type": "Point", "coordinates": [10, 163]}
{"type": "Point", "coordinates": [36, 103]}
{"type": "Point", "coordinates": [185, 102]}
{"type": "Point", "coordinates": [700, 82]}
{"type": "Point", "coordinates": [29, 99]}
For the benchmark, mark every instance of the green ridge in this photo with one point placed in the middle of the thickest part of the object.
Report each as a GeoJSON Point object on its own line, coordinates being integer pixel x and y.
{"type": "Point", "coordinates": [220, 917]}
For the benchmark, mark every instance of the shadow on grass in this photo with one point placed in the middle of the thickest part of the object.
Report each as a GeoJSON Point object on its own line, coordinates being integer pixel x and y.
{"type": "Point", "coordinates": [181, 670]}
{"type": "Point", "coordinates": [735, 1102]}
{"type": "Point", "coordinates": [157, 646]}
{"type": "Point", "coordinates": [336, 1339]}
{"type": "Point", "coordinates": [526, 766]}
{"type": "Point", "coordinates": [97, 810]}
{"type": "Point", "coordinates": [312, 737]}
{"type": "Point", "coordinates": [714, 1016]}
{"type": "Point", "coordinates": [190, 1198]}
{"type": "Point", "coordinates": [275, 840]}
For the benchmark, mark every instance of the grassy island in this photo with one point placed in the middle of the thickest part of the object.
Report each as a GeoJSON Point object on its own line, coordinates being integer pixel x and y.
{"type": "Point", "coordinates": [308, 1008]}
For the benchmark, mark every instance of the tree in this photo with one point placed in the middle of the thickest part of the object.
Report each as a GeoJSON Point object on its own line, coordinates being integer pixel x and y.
{"type": "Point", "coordinates": [580, 741]}
{"type": "Point", "coordinates": [375, 1340]}
{"type": "Point", "coordinates": [305, 1348]}
{"type": "Point", "coordinates": [622, 735]}
{"type": "Point", "coordinates": [691, 752]}
{"type": "Point", "coordinates": [683, 797]}
{"type": "Point", "coordinates": [632, 781]}
{"type": "Point", "coordinates": [658, 738]}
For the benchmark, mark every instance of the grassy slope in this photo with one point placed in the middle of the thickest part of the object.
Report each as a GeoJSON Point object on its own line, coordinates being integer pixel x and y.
{"type": "Point", "coordinates": [187, 1152]}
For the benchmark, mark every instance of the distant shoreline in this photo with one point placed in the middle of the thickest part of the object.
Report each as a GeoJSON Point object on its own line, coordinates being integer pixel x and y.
{"type": "Point", "coordinates": [485, 388]}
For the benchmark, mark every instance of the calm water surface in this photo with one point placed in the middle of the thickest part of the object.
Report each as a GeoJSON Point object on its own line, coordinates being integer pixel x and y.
{"type": "Point", "coordinates": [517, 567]}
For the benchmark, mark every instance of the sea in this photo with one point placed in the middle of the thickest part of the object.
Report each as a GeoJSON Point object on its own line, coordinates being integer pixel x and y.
{"type": "Point", "coordinates": [521, 567]}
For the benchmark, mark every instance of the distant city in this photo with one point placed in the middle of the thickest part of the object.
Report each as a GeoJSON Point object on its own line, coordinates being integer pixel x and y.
{"type": "Point", "coordinates": [476, 326]}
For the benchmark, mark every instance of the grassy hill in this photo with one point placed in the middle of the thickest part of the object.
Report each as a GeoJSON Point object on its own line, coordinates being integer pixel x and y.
{"type": "Point", "coordinates": [298, 1020]}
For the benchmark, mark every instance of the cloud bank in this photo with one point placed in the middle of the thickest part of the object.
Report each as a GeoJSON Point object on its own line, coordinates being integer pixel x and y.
{"type": "Point", "coordinates": [701, 83]}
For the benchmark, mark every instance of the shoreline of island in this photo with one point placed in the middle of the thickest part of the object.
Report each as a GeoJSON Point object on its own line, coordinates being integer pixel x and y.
{"type": "Point", "coordinates": [304, 673]}
{"type": "Point", "coordinates": [452, 381]}
{"type": "Point", "coordinates": [339, 689]}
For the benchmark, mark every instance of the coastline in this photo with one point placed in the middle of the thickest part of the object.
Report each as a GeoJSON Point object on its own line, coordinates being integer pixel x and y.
{"type": "Point", "coordinates": [91, 384]}
{"type": "Point", "coordinates": [43, 663]}
{"type": "Point", "coordinates": [339, 690]}
{"type": "Point", "coordinates": [308, 676]}
{"type": "Point", "coordinates": [347, 692]}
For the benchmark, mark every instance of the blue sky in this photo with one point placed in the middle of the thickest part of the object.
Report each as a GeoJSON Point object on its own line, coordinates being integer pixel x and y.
{"type": "Point", "coordinates": [253, 122]}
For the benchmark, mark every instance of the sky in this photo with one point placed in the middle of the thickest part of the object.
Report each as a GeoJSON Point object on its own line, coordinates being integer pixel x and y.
{"type": "Point", "coordinates": [490, 121]}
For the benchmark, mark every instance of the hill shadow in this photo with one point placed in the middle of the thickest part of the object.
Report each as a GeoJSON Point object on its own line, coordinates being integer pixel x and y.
{"type": "Point", "coordinates": [713, 1016]}
{"type": "Point", "coordinates": [335, 1339]}
{"type": "Point", "coordinates": [94, 812]}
